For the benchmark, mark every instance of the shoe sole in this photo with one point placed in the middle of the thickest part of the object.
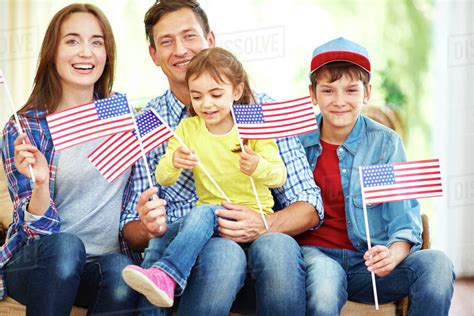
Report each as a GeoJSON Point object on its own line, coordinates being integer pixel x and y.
{"type": "Point", "coordinates": [143, 285]}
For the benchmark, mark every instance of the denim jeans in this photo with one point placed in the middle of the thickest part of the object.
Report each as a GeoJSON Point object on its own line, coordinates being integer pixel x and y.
{"type": "Point", "coordinates": [194, 232]}
{"type": "Point", "coordinates": [273, 264]}
{"type": "Point", "coordinates": [336, 275]}
{"type": "Point", "coordinates": [50, 275]}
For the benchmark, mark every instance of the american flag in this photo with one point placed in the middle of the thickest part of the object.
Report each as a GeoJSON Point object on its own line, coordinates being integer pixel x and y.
{"type": "Point", "coordinates": [275, 120]}
{"type": "Point", "coordinates": [2, 78]}
{"type": "Point", "coordinates": [90, 121]}
{"type": "Point", "coordinates": [401, 181]}
{"type": "Point", "coordinates": [119, 152]}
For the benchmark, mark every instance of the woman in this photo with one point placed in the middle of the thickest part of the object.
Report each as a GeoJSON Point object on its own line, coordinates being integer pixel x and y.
{"type": "Point", "coordinates": [65, 246]}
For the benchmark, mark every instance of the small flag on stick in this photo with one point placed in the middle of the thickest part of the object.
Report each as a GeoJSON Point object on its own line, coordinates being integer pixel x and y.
{"type": "Point", "coordinates": [397, 182]}
{"type": "Point", "coordinates": [402, 181]}
{"type": "Point", "coordinates": [90, 121]}
{"type": "Point", "coordinates": [275, 120]}
{"type": "Point", "coordinates": [17, 120]}
{"type": "Point", "coordinates": [119, 152]}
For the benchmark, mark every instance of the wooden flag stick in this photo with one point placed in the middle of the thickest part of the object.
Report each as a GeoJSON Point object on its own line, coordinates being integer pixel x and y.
{"type": "Point", "coordinates": [200, 164]}
{"type": "Point", "coordinates": [204, 169]}
{"type": "Point", "coordinates": [251, 179]}
{"type": "Point", "coordinates": [18, 125]}
{"type": "Point", "coordinates": [142, 150]}
{"type": "Point", "coordinates": [367, 233]}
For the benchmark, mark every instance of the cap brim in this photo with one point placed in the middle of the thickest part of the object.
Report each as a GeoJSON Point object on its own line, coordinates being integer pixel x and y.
{"type": "Point", "coordinates": [325, 58]}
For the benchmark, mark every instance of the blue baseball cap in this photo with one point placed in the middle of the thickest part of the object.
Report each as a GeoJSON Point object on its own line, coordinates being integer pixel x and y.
{"type": "Point", "coordinates": [340, 49]}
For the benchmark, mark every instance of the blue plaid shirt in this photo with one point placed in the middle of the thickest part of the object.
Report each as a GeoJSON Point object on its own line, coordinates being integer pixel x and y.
{"type": "Point", "coordinates": [181, 196]}
{"type": "Point", "coordinates": [20, 188]}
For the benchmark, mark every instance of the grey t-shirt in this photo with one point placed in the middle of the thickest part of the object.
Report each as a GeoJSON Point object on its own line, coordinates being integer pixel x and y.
{"type": "Point", "coordinates": [89, 206]}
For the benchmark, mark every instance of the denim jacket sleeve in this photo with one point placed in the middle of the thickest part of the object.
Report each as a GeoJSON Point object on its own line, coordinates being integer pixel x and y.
{"type": "Point", "coordinates": [21, 188]}
{"type": "Point", "coordinates": [404, 219]}
{"type": "Point", "coordinates": [394, 221]}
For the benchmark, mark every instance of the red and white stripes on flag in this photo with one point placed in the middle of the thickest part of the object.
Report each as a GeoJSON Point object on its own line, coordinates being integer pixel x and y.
{"type": "Point", "coordinates": [275, 120]}
{"type": "Point", "coordinates": [119, 152]}
{"type": "Point", "coordinates": [89, 121]}
{"type": "Point", "coordinates": [402, 181]}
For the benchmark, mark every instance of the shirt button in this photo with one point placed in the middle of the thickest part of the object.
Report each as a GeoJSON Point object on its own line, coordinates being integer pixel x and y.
{"type": "Point", "coordinates": [340, 150]}
{"type": "Point", "coordinates": [343, 170]}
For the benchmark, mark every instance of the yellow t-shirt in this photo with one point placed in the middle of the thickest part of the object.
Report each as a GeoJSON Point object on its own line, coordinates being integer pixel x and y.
{"type": "Point", "coordinates": [215, 154]}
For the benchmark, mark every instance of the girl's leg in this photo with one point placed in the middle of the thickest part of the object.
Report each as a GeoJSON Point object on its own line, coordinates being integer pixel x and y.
{"type": "Point", "coordinates": [195, 231]}
{"type": "Point", "coordinates": [174, 267]}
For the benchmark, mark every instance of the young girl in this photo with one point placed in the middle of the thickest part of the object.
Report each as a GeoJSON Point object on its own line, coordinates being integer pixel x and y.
{"type": "Point", "coordinates": [216, 81]}
{"type": "Point", "coordinates": [63, 247]}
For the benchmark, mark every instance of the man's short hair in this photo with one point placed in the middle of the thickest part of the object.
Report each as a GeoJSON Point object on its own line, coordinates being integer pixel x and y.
{"type": "Point", "coordinates": [162, 7]}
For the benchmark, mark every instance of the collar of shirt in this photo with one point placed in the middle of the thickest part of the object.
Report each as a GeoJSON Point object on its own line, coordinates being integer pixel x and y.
{"type": "Point", "coordinates": [352, 142]}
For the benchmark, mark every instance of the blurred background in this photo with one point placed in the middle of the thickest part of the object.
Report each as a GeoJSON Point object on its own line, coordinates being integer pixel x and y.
{"type": "Point", "coordinates": [422, 54]}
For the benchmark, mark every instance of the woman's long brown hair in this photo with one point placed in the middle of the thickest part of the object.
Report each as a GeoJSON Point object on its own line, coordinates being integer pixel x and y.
{"type": "Point", "coordinates": [47, 92]}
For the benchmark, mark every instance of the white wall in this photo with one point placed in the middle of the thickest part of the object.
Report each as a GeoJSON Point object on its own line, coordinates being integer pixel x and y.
{"type": "Point", "coordinates": [453, 130]}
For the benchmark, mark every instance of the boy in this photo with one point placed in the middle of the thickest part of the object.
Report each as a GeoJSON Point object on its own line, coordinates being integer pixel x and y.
{"type": "Point", "coordinates": [337, 260]}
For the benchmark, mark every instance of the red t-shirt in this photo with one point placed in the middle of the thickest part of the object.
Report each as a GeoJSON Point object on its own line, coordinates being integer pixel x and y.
{"type": "Point", "coordinates": [333, 232]}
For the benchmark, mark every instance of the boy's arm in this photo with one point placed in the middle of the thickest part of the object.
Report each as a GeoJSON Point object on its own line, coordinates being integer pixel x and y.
{"type": "Point", "coordinates": [270, 170]}
{"type": "Point", "coordinates": [403, 217]}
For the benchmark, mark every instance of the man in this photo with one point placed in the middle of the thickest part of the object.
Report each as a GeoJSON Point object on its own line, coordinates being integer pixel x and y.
{"type": "Point", "coordinates": [176, 31]}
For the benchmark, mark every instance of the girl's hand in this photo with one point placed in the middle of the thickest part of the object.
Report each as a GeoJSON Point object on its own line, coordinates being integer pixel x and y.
{"type": "Point", "coordinates": [248, 161]}
{"type": "Point", "coordinates": [184, 158]}
{"type": "Point", "coordinates": [27, 154]}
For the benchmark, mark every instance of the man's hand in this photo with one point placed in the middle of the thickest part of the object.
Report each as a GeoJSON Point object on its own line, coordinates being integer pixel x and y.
{"type": "Point", "coordinates": [152, 213]}
{"type": "Point", "coordinates": [248, 161]}
{"type": "Point", "coordinates": [184, 158]}
{"type": "Point", "coordinates": [239, 223]}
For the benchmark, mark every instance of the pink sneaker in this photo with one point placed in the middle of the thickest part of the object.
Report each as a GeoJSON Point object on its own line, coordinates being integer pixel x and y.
{"type": "Point", "coordinates": [157, 286]}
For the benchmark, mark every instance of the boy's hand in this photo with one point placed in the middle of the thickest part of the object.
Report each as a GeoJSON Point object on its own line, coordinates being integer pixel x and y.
{"type": "Point", "coordinates": [27, 154]}
{"type": "Point", "coordinates": [248, 161]}
{"type": "Point", "coordinates": [380, 260]}
{"type": "Point", "coordinates": [383, 260]}
{"type": "Point", "coordinates": [184, 158]}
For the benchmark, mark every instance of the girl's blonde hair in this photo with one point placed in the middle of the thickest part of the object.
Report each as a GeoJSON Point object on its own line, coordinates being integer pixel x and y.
{"type": "Point", "coordinates": [223, 67]}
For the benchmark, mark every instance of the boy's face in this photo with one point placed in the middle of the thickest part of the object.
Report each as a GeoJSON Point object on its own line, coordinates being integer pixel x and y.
{"type": "Point", "coordinates": [340, 102]}
{"type": "Point", "coordinates": [178, 36]}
